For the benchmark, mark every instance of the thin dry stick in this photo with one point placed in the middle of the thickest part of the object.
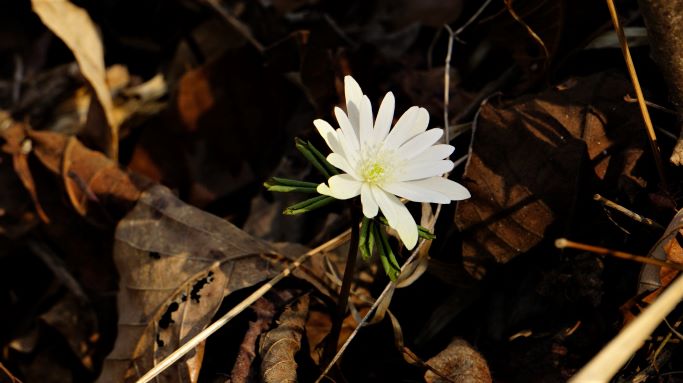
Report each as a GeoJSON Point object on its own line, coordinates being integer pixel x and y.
{"type": "Point", "coordinates": [639, 92]}
{"type": "Point", "coordinates": [618, 351]}
{"type": "Point", "coordinates": [562, 243]}
{"type": "Point", "coordinates": [447, 83]}
{"type": "Point", "coordinates": [634, 216]}
{"type": "Point", "coordinates": [194, 342]}
{"type": "Point", "coordinates": [239, 26]}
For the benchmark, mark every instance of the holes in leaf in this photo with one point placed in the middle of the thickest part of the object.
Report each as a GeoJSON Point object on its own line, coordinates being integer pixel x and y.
{"type": "Point", "coordinates": [197, 287]}
{"type": "Point", "coordinates": [155, 254]}
{"type": "Point", "coordinates": [167, 318]}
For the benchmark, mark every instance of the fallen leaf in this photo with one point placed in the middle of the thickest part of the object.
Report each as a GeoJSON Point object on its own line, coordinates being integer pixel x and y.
{"type": "Point", "coordinates": [460, 362]}
{"type": "Point", "coordinates": [176, 264]}
{"type": "Point", "coordinates": [280, 345]}
{"type": "Point", "coordinates": [74, 27]}
{"type": "Point", "coordinates": [668, 248]}
{"type": "Point", "coordinates": [528, 159]}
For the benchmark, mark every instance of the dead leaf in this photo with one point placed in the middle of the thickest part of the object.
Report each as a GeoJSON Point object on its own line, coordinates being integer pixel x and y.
{"type": "Point", "coordinates": [74, 27]}
{"type": "Point", "coordinates": [528, 159]}
{"type": "Point", "coordinates": [89, 178]}
{"type": "Point", "coordinates": [668, 248]}
{"type": "Point", "coordinates": [461, 363]}
{"type": "Point", "coordinates": [176, 264]}
{"type": "Point", "coordinates": [280, 345]}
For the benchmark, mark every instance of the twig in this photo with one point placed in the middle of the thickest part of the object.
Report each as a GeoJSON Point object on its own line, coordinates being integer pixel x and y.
{"type": "Point", "coordinates": [634, 216]}
{"type": "Point", "coordinates": [639, 93]}
{"type": "Point", "coordinates": [343, 300]}
{"type": "Point", "coordinates": [536, 37]}
{"type": "Point", "coordinates": [651, 104]}
{"type": "Point", "coordinates": [239, 26]}
{"type": "Point", "coordinates": [470, 21]}
{"type": "Point", "coordinates": [447, 83]}
{"type": "Point", "coordinates": [618, 351]}
{"type": "Point", "coordinates": [562, 243]}
{"type": "Point", "coordinates": [215, 326]}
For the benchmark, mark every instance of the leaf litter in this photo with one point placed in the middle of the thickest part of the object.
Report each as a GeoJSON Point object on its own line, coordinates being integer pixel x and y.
{"type": "Point", "coordinates": [137, 254]}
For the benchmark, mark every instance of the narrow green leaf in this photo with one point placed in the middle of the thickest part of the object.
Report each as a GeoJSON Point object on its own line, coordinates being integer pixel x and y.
{"type": "Point", "coordinates": [386, 255]}
{"type": "Point", "coordinates": [366, 239]}
{"type": "Point", "coordinates": [308, 205]}
{"type": "Point", "coordinates": [303, 148]}
{"type": "Point", "coordinates": [285, 185]}
{"type": "Point", "coordinates": [290, 182]}
{"type": "Point", "coordinates": [330, 168]}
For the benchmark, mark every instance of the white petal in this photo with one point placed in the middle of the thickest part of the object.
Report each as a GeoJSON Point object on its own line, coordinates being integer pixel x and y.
{"type": "Point", "coordinates": [365, 122]}
{"type": "Point", "coordinates": [370, 207]}
{"type": "Point", "coordinates": [434, 153]}
{"type": "Point", "coordinates": [413, 191]}
{"type": "Point", "coordinates": [418, 144]}
{"type": "Point", "coordinates": [329, 135]}
{"type": "Point", "coordinates": [348, 151]}
{"type": "Point", "coordinates": [354, 97]}
{"type": "Point", "coordinates": [398, 216]}
{"type": "Point", "coordinates": [385, 116]}
{"type": "Point", "coordinates": [421, 122]}
{"type": "Point", "coordinates": [419, 170]}
{"type": "Point", "coordinates": [342, 186]}
{"type": "Point", "coordinates": [340, 162]}
{"type": "Point", "coordinates": [347, 128]}
{"type": "Point", "coordinates": [451, 189]}
{"type": "Point", "coordinates": [402, 131]}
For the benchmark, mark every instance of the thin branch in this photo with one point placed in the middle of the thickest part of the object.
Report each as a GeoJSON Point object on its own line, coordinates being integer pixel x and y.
{"type": "Point", "coordinates": [215, 326]}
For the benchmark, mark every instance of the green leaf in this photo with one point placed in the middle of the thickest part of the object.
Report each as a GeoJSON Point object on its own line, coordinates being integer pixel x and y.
{"type": "Point", "coordinates": [308, 205]}
{"type": "Point", "coordinates": [276, 184]}
{"type": "Point", "coordinates": [302, 147]}
{"type": "Point", "coordinates": [386, 254]}
{"type": "Point", "coordinates": [366, 241]}
{"type": "Point", "coordinates": [330, 168]}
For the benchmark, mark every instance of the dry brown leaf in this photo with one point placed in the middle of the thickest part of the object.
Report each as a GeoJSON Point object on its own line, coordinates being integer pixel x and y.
{"type": "Point", "coordinates": [668, 248]}
{"type": "Point", "coordinates": [461, 363]}
{"type": "Point", "coordinates": [280, 345]}
{"type": "Point", "coordinates": [74, 27]}
{"type": "Point", "coordinates": [89, 178]}
{"type": "Point", "coordinates": [176, 264]}
{"type": "Point", "coordinates": [528, 158]}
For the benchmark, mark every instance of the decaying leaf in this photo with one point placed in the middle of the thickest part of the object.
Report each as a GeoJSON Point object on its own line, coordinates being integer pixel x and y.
{"type": "Point", "coordinates": [529, 157]}
{"type": "Point", "coordinates": [176, 264]}
{"type": "Point", "coordinates": [89, 178]}
{"type": "Point", "coordinates": [280, 345]}
{"type": "Point", "coordinates": [74, 27]}
{"type": "Point", "coordinates": [667, 248]}
{"type": "Point", "coordinates": [461, 363]}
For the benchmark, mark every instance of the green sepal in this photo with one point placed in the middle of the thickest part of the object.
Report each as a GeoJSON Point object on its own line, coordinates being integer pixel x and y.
{"type": "Point", "coordinates": [308, 205]}
{"type": "Point", "coordinates": [422, 231]}
{"type": "Point", "coordinates": [303, 147]}
{"type": "Point", "coordinates": [386, 254]}
{"type": "Point", "coordinates": [277, 184]}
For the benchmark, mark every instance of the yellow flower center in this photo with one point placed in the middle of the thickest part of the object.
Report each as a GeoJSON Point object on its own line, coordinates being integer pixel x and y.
{"type": "Point", "coordinates": [378, 166]}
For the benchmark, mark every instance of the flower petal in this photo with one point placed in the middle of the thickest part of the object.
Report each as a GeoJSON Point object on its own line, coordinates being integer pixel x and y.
{"type": "Point", "coordinates": [416, 192]}
{"type": "Point", "coordinates": [329, 135]}
{"type": "Point", "coordinates": [397, 215]}
{"type": "Point", "coordinates": [365, 122]}
{"type": "Point", "coordinates": [435, 153]}
{"type": "Point", "coordinates": [421, 122]}
{"type": "Point", "coordinates": [354, 97]}
{"type": "Point", "coordinates": [419, 170]}
{"type": "Point", "coordinates": [402, 131]}
{"type": "Point", "coordinates": [419, 143]}
{"type": "Point", "coordinates": [451, 189]}
{"type": "Point", "coordinates": [342, 186]}
{"type": "Point", "coordinates": [340, 162]}
{"type": "Point", "coordinates": [348, 151]}
{"type": "Point", "coordinates": [385, 117]}
{"type": "Point", "coordinates": [367, 199]}
{"type": "Point", "coordinates": [347, 128]}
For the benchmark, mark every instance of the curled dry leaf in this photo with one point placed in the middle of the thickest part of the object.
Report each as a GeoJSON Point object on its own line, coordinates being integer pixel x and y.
{"type": "Point", "coordinates": [459, 362]}
{"type": "Point", "coordinates": [528, 159]}
{"type": "Point", "coordinates": [280, 345]}
{"type": "Point", "coordinates": [176, 264]}
{"type": "Point", "coordinates": [90, 179]}
{"type": "Point", "coordinates": [75, 28]}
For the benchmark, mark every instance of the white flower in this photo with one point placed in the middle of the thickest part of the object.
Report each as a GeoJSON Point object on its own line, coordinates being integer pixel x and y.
{"type": "Point", "coordinates": [381, 164]}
